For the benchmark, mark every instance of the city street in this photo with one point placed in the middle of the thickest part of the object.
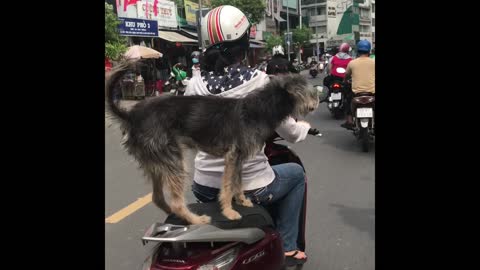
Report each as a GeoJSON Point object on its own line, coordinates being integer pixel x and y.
{"type": "Point", "coordinates": [341, 199]}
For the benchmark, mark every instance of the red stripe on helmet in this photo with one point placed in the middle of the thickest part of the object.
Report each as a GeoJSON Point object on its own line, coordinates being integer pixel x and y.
{"type": "Point", "coordinates": [217, 21]}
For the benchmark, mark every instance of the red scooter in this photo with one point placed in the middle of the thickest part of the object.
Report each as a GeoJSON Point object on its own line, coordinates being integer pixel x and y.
{"type": "Point", "coordinates": [249, 243]}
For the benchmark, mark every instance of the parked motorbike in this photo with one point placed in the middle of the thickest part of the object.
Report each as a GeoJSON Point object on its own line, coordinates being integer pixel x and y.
{"type": "Point", "coordinates": [249, 243]}
{"type": "Point", "coordinates": [363, 110]}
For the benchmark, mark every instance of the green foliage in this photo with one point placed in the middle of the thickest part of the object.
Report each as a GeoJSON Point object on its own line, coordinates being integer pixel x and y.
{"type": "Point", "coordinates": [115, 45]}
{"type": "Point", "coordinates": [253, 9]}
{"type": "Point", "coordinates": [272, 41]}
{"type": "Point", "coordinates": [301, 37]}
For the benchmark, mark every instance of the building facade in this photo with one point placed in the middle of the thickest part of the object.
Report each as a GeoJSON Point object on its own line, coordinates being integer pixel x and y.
{"type": "Point", "coordinates": [336, 21]}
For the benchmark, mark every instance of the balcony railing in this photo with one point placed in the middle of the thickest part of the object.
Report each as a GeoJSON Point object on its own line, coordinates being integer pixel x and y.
{"type": "Point", "coordinates": [318, 18]}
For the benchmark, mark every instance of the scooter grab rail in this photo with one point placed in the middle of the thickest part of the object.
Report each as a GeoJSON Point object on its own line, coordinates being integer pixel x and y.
{"type": "Point", "coordinates": [161, 232]}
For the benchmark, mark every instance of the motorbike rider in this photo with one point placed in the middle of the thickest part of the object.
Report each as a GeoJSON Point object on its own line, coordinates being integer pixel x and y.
{"type": "Point", "coordinates": [196, 63]}
{"type": "Point", "coordinates": [279, 63]}
{"type": "Point", "coordinates": [224, 74]}
{"type": "Point", "coordinates": [180, 76]}
{"type": "Point", "coordinates": [362, 72]}
{"type": "Point", "coordinates": [339, 60]}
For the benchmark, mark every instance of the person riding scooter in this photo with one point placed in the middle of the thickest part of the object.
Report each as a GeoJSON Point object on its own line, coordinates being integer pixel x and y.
{"type": "Point", "coordinates": [279, 63]}
{"type": "Point", "coordinates": [196, 63]}
{"type": "Point", "coordinates": [180, 78]}
{"type": "Point", "coordinates": [224, 75]}
{"type": "Point", "coordinates": [362, 71]}
{"type": "Point", "coordinates": [340, 60]}
{"type": "Point", "coordinates": [315, 68]}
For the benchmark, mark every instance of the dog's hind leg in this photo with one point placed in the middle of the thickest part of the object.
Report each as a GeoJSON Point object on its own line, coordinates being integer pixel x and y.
{"type": "Point", "coordinates": [174, 176]}
{"type": "Point", "coordinates": [233, 168]}
{"type": "Point", "coordinates": [237, 187]}
{"type": "Point", "coordinates": [158, 197]}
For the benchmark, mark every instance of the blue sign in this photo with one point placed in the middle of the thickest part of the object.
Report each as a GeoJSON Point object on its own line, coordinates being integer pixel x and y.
{"type": "Point", "coordinates": [138, 27]}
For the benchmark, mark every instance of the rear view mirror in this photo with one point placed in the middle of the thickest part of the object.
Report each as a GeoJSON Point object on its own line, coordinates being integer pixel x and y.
{"type": "Point", "coordinates": [321, 91]}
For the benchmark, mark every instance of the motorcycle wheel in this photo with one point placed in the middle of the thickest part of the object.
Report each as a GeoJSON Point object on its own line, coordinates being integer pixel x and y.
{"type": "Point", "coordinates": [364, 139]}
{"type": "Point", "coordinates": [337, 114]}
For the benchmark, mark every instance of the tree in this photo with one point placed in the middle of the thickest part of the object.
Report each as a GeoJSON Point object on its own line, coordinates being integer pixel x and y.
{"type": "Point", "coordinates": [272, 41]}
{"type": "Point", "coordinates": [253, 9]}
{"type": "Point", "coordinates": [301, 37]}
{"type": "Point", "coordinates": [115, 45]}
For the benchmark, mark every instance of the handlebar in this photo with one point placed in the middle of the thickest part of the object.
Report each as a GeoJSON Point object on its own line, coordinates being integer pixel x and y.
{"type": "Point", "coordinates": [312, 131]}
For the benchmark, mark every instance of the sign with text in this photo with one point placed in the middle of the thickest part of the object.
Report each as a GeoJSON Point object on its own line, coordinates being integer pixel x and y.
{"type": "Point", "coordinates": [138, 27]}
{"type": "Point", "coordinates": [162, 11]}
{"type": "Point", "coordinates": [190, 12]}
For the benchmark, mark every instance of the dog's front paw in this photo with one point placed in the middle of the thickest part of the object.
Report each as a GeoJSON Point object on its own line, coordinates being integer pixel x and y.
{"type": "Point", "coordinates": [246, 202]}
{"type": "Point", "coordinates": [231, 214]}
{"type": "Point", "coordinates": [204, 219]}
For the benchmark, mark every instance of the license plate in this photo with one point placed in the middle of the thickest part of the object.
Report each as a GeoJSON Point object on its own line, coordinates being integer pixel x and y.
{"type": "Point", "coordinates": [364, 113]}
{"type": "Point", "coordinates": [336, 96]}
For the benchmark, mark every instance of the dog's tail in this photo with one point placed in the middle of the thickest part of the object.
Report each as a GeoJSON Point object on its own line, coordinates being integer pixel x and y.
{"type": "Point", "coordinates": [111, 82]}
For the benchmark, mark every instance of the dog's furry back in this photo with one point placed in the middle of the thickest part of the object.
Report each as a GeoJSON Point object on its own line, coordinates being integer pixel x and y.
{"type": "Point", "coordinates": [157, 130]}
{"type": "Point", "coordinates": [211, 120]}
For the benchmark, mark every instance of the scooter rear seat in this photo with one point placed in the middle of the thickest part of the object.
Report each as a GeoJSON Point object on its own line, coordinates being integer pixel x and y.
{"type": "Point", "coordinates": [252, 217]}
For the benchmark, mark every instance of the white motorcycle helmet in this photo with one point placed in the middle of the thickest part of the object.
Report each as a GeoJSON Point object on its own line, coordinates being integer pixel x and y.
{"type": "Point", "coordinates": [278, 50]}
{"type": "Point", "coordinates": [224, 24]}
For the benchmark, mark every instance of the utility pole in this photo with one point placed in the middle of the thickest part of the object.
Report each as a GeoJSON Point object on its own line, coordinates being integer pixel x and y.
{"type": "Point", "coordinates": [288, 35]}
{"type": "Point", "coordinates": [300, 9]}
{"type": "Point", "coordinates": [316, 34]}
{"type": "Point", "coordinates": [356, 21]}
{"type": "Point", "coordinates": [199, 25]}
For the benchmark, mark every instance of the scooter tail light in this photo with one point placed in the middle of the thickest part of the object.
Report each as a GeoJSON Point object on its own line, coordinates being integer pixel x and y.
{"type": "Point", "coordinates": [336, 85]}
{"type": "Point", "coordinates": [222, 262]}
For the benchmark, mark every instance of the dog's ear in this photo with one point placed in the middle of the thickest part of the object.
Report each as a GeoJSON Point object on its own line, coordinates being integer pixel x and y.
{"type": "Point", "coordinates": [294, 83]}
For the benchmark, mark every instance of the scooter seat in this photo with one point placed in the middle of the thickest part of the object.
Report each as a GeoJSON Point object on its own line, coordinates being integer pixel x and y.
{"type": "Point", "coordinates": [366, 94]}
{"type": "Point", "coordinates": [256, 216]}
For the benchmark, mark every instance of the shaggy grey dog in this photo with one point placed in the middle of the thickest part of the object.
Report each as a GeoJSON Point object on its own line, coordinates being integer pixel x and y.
{"type": "Point", "coordinates": [157, 132]}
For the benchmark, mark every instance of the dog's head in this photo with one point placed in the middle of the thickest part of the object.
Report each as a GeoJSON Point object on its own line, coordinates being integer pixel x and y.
{"type": "Point", "coordinates": [305, 96]}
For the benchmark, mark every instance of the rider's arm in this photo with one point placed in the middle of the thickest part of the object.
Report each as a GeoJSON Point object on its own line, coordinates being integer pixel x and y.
{"type": "Point", "coordinates": [293, 131]}
{"type": "Point", "coordinates": [175, 70]}
{"type": "Point", "coordinates": [180, 75]}
{"type": "Point", "coordinates": [348, 73]}
{"type": "Point", "coordinates": [330, 65]}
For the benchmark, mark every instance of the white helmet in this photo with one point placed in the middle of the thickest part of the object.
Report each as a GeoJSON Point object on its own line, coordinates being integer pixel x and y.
{"type": "Point", "coordinates": [223, 24]}
{"type": "Point", "coordinates": [278, 50]}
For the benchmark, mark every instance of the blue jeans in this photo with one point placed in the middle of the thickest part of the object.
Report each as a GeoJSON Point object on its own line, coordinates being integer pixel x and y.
{"type": "Point", "coordinates": [283, 198]}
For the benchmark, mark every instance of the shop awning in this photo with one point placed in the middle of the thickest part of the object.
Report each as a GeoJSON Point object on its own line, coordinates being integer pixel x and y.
{"type": "Point", "coordinates": [257, 44]}
{"type": "Point", "coordinates": [277, 16]}
{"type": "Point", "coordinates": [190, 32]}
{"type": "Point", "coordinates": [175, 37]}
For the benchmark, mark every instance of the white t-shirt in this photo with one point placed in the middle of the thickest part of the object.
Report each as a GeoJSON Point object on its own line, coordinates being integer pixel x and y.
{"type": "Point", "coordinates": [256, 172]}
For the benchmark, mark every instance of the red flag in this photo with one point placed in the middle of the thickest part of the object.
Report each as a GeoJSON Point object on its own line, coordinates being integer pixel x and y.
{"type": "Point", "coordinates": [155, 8]}
{"type": "Point", "coordinates": [126, 3]}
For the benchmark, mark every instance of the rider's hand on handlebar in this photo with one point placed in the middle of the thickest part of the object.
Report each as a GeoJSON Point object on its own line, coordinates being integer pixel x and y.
{"type": "Point", "coordinates": [313, 131]}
